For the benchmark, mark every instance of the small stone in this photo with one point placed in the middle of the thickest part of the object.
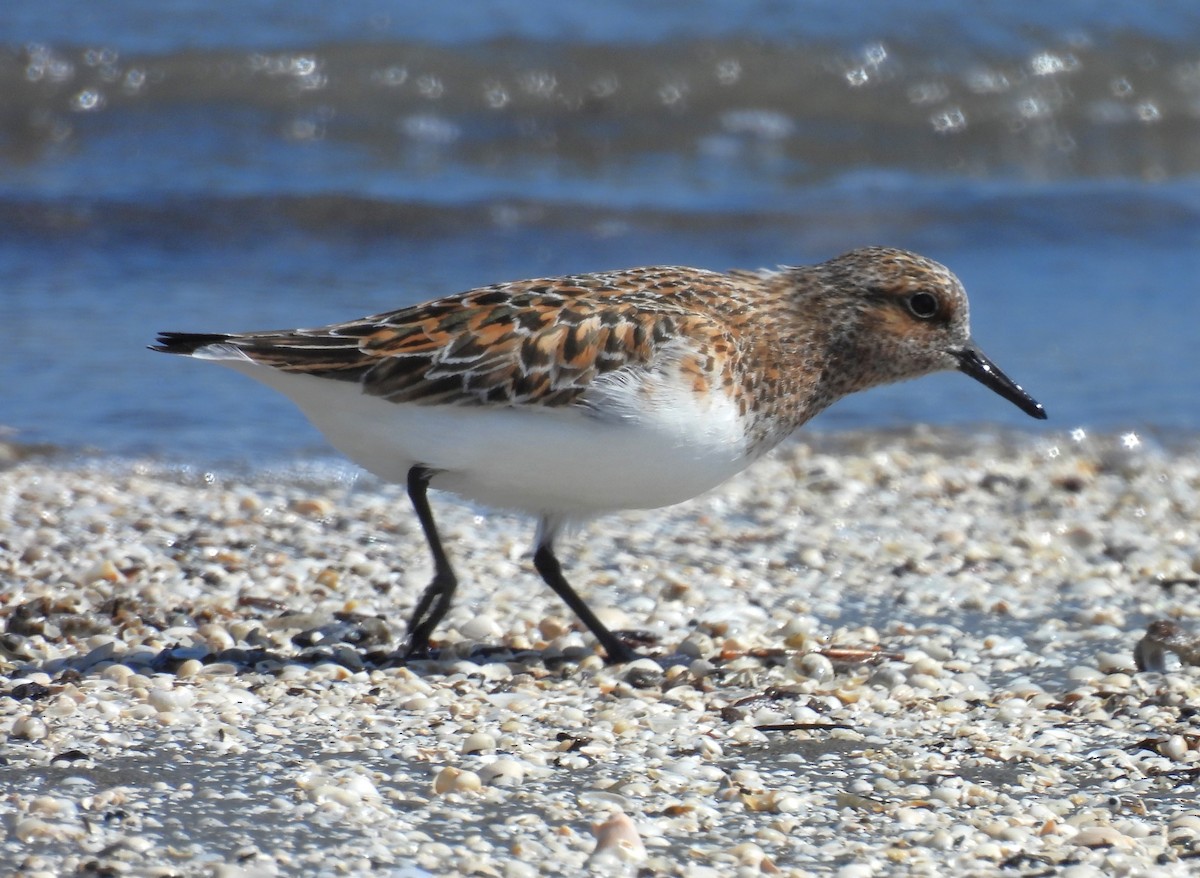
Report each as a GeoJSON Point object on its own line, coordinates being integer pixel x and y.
{"type": "Point", "coordinates": [454, 779]}
{"type": "Point", "coordinates": [1175, 747]}
{"type": "Point", "coordinates": [478, 742]}
{"type": "Point", "coordinates": [106, 571]}
{"type": "Point", "coordinates": [313, 507]}
{"type": "Point", "coordinates": [503, 772]}
{"type": "Point", "coordinates": [189, 668]}
{"type": "Point", "coordinates": [63, 705]}
{"type": "Point", "coordinates": [29, 728]}
{"type": "Point", "coordinates": [171, 699]}
{"type": "Point", "coordinates": [553, 627]}
{"type": "Point", "coordinates": [1111, 662]}
{"type": "Point", "coordinates": [479, 629]}
{"type": "Point", "coordinates": [33, 829]}
{"type": "Point", "coordinates": [1101, 836]}
{"type": "Point", "coordinates": [815, 666]}
{"type": "Point", "coordinates": [857, 870]}
{"type": "Point", "coordinates": [618, 841]}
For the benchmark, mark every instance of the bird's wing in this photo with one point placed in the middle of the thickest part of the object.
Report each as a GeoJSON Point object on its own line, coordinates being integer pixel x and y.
{"type": "Point", "coordinates": [539, 342]}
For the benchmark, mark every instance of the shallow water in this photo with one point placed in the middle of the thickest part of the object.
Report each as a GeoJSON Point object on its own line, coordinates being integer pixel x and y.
{"type": "Point", "coordinates": [293, 165]}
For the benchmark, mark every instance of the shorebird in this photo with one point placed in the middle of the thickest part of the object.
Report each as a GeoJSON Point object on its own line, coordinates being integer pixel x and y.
{"type": "Point", "coordinates": [569, 397]}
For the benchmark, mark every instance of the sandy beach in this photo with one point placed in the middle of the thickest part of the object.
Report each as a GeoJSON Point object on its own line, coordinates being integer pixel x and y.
{"type": "Point", "coordinates": [891, 654]}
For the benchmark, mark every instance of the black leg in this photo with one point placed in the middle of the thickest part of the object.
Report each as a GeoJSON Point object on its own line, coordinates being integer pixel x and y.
{"type": "Point", "coordinates": [435, 601]}
{"type": "Point", "coordinates": [547, 565]}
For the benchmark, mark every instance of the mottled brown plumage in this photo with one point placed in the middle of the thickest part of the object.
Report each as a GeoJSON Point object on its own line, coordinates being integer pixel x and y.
{"type": "Point", "coordinates": [638, 388]}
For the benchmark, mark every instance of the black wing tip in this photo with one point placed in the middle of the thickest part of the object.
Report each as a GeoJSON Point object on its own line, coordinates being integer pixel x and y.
{"type": "Point", "coordinates": [186, 342]}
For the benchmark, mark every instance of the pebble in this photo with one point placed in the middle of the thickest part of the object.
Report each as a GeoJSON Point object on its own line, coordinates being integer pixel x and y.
{"type": "Point", "coordinates": [162, 699]}
{"type": "Point", "coordinates": [1175, 747]}
{"type": "Point", "coordinates": [617, 840]}
{"type": "Point", "coordinates": [1102, 836]}
{"type": "Point", "coordinates": [502, 772]}
{"type": "Point", "coordinates": [815, 666]}
{"type": "Point", "coordinates": [478, 742]}
{"type": "Point", "coordinates": [457, 780]}
{"type": "Point", "coordinates": [554, 627]}
{"type": "Point", "coordinates": [29, 728]}
{"type": "Point", "coordinates": [480, 628]}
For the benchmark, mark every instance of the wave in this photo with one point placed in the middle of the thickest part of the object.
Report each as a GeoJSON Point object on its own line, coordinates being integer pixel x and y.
{"type": "Point", "coordinates": [1125, 106]}
{"type": "Point", "coordinates": [999, 213]}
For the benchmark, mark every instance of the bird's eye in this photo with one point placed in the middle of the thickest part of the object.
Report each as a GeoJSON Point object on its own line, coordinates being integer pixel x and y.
{"type": "Point", "coordinates": [923, 305]}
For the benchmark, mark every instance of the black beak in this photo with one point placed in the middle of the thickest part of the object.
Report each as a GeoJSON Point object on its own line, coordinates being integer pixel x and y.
{"type": "Point", "coordinates": [972, 361]}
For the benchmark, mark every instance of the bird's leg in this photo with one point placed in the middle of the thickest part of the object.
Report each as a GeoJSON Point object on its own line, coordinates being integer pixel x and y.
{"type": "Point", "coordinates": [547, 565]}
{"type": "Point", "coordinates": [435, 601]}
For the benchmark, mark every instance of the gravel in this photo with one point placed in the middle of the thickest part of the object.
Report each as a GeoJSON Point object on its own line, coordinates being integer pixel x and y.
{"type": "Point", "coordinates": [877, 654]}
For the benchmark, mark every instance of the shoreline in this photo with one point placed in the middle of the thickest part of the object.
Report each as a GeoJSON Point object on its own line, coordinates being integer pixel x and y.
{"type": "Point", "coordinates": [816, 436]}
{"type": "Point", "coordinates": [910, 653]}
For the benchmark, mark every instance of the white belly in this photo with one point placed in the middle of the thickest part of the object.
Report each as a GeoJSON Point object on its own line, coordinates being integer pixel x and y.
{"type": "Point", "coordinates": [654, 450]}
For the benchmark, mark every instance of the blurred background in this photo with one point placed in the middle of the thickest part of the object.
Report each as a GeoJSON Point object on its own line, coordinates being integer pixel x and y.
{"type": "Point", "coordinates": [279, 163]}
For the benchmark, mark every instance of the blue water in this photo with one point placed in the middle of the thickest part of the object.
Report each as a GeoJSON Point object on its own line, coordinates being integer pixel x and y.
{"type": "Point", "coordinates": [297, 163]}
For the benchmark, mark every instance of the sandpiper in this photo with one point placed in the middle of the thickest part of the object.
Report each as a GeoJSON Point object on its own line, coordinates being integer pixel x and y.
{"type": "Point", "coordinates": [569, 397]}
